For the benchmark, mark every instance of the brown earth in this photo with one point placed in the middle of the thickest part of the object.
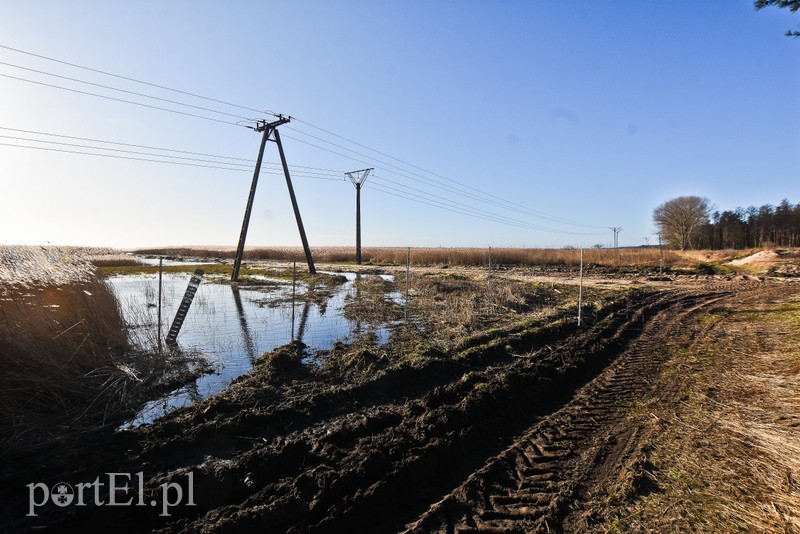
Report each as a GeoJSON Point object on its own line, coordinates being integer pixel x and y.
{"type": "Point", "coordinates": [530, 427]}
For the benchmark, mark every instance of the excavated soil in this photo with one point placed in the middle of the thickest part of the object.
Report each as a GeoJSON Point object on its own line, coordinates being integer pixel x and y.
{"type": "Point", "coordinates": [503, 435]}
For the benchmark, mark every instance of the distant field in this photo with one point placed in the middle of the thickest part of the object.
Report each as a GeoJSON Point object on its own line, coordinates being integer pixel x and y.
{"type": "Point", "coordinates": [462, 256]}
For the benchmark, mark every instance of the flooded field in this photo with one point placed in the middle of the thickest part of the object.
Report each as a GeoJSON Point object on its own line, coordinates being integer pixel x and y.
{"type": "Point", "coordinates": [231, 326]}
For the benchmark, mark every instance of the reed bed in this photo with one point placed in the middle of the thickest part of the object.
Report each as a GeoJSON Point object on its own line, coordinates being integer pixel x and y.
{"type": "Point", "coordinates": [455, 256]}
{"type": "Point", "coordinates": [62, 339]}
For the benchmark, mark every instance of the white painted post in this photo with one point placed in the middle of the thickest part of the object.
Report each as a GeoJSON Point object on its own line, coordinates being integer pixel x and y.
{"type": "Point", "coordinates": [160, 273]}
{"type": "Point", "coordinates": [580, 291]}
{"type": "Point", "coordinates": [489, 282]}
{"type": "Point", "coordinates": [294, 275]}
{"type": "Point", "coordinates": [408, 267]}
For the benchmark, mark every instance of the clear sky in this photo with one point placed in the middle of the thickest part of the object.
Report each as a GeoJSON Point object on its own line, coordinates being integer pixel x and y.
{"type": "Point", "coordinates": [591, 112]}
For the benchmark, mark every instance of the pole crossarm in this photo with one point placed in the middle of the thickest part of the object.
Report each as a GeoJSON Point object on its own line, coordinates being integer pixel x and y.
{"type": "Point", "coordinates": [263, 125]}
{"type": "Point", "coordinates": [359, 177]}
{"type": "Point", "coordinates": [616, 230]}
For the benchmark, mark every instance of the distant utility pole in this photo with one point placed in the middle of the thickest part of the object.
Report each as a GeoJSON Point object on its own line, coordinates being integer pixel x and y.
{"type": "Point", "coordinates": [616, 230]}
{"type": "Point", "coordinates": [647, 241]}
{"type": "Point", "coordinates": [358, 178]}
{"type": "Point", "coordinates": [268, 129]}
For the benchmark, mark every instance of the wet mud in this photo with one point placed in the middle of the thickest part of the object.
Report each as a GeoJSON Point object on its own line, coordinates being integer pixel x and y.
{"type": "Point", "coordinates": [500, 435]}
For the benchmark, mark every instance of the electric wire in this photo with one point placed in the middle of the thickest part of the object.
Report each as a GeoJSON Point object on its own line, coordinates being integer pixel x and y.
{"type": "Point", "coordinates": [464, 211]}
{"type": "Point", "coordinates": [366, 162]}
{"type": "Point", "coordinates": [120, 100]}
{"type": "Point", "coordinates": [124, 91]}
{"type": "Point", "coordinates": [413, 198]}
{"type": "Point", "coordinates": [439, 200]}
{"type": "Point", "coordinates": [428, 181]}
{"type": "Point", "coordinates": [125, 151]}
{"type": "Point", "coordinates": [483, 213]}
{"type": "Point", "coordinates": [106, 73]}
{"type": "Point", "coordinates": [250, 162]}
{"type": "Point", "coordinates": [182, 163]}
{"type": "Point", "coordinates": [436, 185]}
{"type": "Point", "coordinates": [506, 203]}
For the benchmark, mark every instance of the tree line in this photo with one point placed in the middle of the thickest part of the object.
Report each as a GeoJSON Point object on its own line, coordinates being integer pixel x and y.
{"type": "Point", "coordinates": [692, 222]}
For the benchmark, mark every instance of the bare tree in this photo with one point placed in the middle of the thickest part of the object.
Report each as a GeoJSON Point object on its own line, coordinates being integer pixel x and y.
{"type": "Point", "coordinates": [793, 6]}
{"type": "Point", "coordinates": [679, 219]}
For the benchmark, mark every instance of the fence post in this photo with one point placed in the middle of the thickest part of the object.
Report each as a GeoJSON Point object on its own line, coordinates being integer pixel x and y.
{"type": "Point", "coordinates": [160, 273]}
{"type": "Point", "coordinates": [408, 267]}
{"type": "Point", "coordinates": [294, 271]}
{"type": "Point", "coordinates": [580, 291]}
{"type": "Point", "coordinates": [489, 283]}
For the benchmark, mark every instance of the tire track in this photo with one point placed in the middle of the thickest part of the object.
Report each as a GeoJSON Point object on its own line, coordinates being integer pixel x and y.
{"type": "Point", "coordinates": [385, 460]}
{"type": "Point", "coordinates": [533, 484]}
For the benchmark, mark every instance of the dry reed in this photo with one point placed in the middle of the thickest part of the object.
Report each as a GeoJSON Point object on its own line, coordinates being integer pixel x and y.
{"type": "Point", "coordinates": [61, 337]}
{"type": "Point", "coordinates": [463, 256]}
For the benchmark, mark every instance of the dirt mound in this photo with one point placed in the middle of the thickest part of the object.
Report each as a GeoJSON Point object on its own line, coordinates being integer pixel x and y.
{"type": "Point", "coordinates": [763, 258]}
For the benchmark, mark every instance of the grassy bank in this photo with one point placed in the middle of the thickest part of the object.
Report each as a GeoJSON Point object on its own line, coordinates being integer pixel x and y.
{"type": "Point", "coordinates": [65, 362]}
{"type": "Point", "coordinates": [628, 259]}
{"type": "Point", "coordinates": [635, 257]}
{"type": "Point", "coordinates": [722, 452]}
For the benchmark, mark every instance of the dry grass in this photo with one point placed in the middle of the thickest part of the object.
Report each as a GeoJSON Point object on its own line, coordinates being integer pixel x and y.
{"type": "Point", "coordinates": [63, 343]}
{"type": "Point", "coordinates": [113, 260]}
{"type": "Point", "coordinates": [726, 454]}
{"type": "Point", "coordinates": [445, 307]}
{"type": "Point", "coordinates": [59, 351]}
{"type": "Point", "coordinates": [632, 257]}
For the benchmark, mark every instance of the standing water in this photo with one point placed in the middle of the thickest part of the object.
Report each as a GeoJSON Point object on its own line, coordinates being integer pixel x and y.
{"type": "Point", "coordinates": [231, 326]}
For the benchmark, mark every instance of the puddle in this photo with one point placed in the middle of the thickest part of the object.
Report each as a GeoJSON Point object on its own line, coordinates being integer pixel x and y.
{"type": "Point", "coordinates": [232, 326]}
{"type": "Point", "coordinates": [154, 261]}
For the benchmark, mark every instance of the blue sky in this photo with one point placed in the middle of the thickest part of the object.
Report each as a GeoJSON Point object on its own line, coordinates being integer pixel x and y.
{"type": "Point", "coordinates": [588, 112]}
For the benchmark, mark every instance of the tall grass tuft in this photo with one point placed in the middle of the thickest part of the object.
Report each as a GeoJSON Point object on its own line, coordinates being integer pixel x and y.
{"type": "Point", "coordinates": [61, 339]}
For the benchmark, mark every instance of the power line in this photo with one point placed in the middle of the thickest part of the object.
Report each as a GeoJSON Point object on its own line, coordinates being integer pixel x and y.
{"type": "Point", "coordinates": [321, 171]}
{"type": "Point", "coordinates": [115, 156]}
{"type": "Point", "coordinates": [461, 205]}
{"type": "Point", "coordinates": [74, 145]}
{"type": "Point", "coordinates": [122, 144]}
{"type": "Point", "coordinates": [470, 210]}
{"type": "Point", "coordinates": [331, 173]}
{"type": "Point", "coordinates": [119, 100]}
{"type": "Point", "coordinates": [420, 200]}
{"type": "Point", "coordinates": [124, 91]}
{"type": "Point", "coordinates": [431, 182]}
{"type": "Point", "coordinates": [106, 73]}
{"type": "Point", "coordinates": [505, 203]}
{"type": "Point", "coordinates": [434, 183]}
{"type": "Point", "coordinates": [182, 163]}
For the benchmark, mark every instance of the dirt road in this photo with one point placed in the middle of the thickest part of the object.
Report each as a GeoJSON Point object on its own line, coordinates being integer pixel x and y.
{"type": "Point", "coordinates": [507, 434]}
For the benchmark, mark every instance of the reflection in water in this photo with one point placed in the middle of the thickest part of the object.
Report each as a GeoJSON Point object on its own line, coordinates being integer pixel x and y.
{"type": "Point", "coordinates": [248, 339]}
{"type": "Point", "coordinates": [232, 325]}
{"type": "Point", "coordinates": [303, 319]}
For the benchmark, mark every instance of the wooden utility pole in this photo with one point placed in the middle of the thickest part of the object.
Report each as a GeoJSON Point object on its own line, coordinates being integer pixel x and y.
{"type": "Point", "coordinates": [268, 129]}
{"type": "Point", "coordinates": [358, 178]}
{"type": "Point", "coordinates": [309, 259]}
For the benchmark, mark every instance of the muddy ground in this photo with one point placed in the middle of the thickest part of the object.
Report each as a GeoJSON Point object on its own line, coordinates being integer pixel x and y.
{"type": "Point", "coordinates": [521, 428]}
